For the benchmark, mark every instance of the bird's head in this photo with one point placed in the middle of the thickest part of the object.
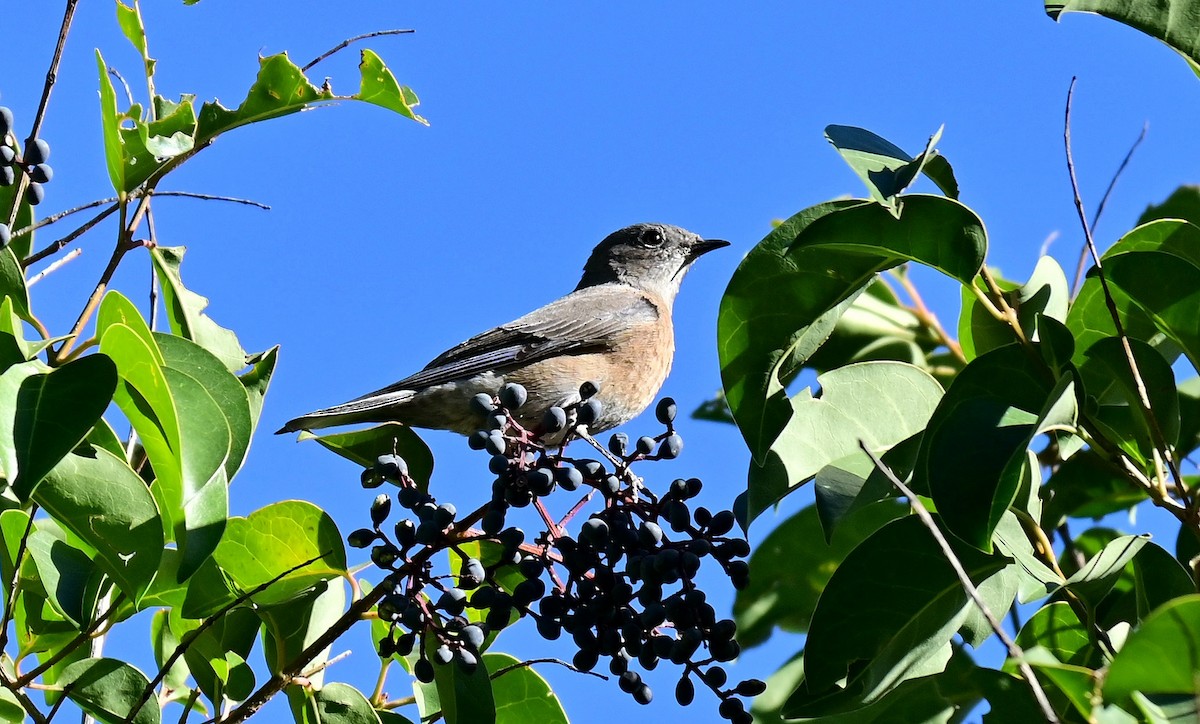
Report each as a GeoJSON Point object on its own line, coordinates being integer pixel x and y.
{"type": "Point", "coordinates": [653, 257]}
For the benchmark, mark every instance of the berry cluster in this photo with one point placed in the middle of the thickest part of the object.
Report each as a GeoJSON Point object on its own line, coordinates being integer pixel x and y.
{"type": "Point", "coordinates": [623, 587]}
{"type": "Point", "coordinates": [32, 162]}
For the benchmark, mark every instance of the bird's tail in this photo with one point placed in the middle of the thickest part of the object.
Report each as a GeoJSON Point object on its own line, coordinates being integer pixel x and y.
{"type": "Point", "coordinates": [376, 407]}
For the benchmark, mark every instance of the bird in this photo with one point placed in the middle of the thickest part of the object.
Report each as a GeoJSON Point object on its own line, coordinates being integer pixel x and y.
{"type": "Point", "coordinates": [614, 331]}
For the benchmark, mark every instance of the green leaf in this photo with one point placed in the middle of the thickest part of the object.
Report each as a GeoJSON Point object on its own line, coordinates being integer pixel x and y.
{"type": "Point", "coordinates": [131, 25]}
{"type": "Point", "coordinates": [226, 390]}
{"type": "Point", "coordinates": [145, 399]}
{"type": "Point", "coordinates": [116, 308]}
{"type": "Point", "coordinates": [107, 689]}
{"type": "Point", "coordinates": [1087, 486]}
{"type": "Point", "coordinates": [290, 627]}
{"type": "Point", "coordinates": [1056, 628]}
{"type": "Point", "coordinates": [465, 698]}
{"type": "Point", "coordinates": [973, 452]}
{"type": "Point", "coordinates": [380, 87]}
{"type": "Point", "coordinates": [1159, 579]}
{"type": "Point", "coordinates": [879, 403]}
{"type": "Point", "coordinates": [1173, 21]}
{"type": "Point", "coordinates": [1119, 415]}
{"type": "Point", "coordinates": [1183, 203]}
{"type": "Point", "coordinates": [787, 294]}
{"type": "Point", "coordinates": [1046, 293]}
{"type": "Point", "coordinates": [1189, 416]}
{"type": "Point", "coordinates": [1095, 579]}
{"type": "Point", "coordinates": [185, 311]}
{"type": "Point", "coordinates": [205, 441]}
{"type": "Point", "coordinates": [885, 168]}
{"type": "Point", "coordinates": [10, 387]}
{"type": "Point", "coordinates": [217, 656]}
{"type": "Point", "coordinates": [1160, 657]}
{"type": "Point", "coordinates": [99, 498]}
{"type": "Point", "coordinates": [1154, 276]}
{"type": "Point", "coordinates": [362, 447]}
{"type": "Point", "coordinates": [521, 694]}
{"type": "Point", "coordinates": [208, 591]}
{"type": "Point", "coordinates": [1077, 683]}
{"type": "Point", "coordinates": [65, 573]}
{"type": "Point", "coordinates": [12, 281]}
{"type": "Point", "coordinates": [149, 146]}
{"type": "Point", "coordinates": [165, 641]}
{"type": "Point", "coordinates": [110, 122]}
{"type": "Point", "coordinates": [279, 90]}
{"type": "Point", "coordinates": [790, 569]}
{"type": "Point", "coordinates": [339, 703]}
{"type": "Point", "coordinates": [892, 607]}
{"type": "Point", "coordinates": [277, 538]}
{"type": "Point", "coordinates": [11, 711]}
{"type": "Point", "coordinates": [1037, 579]}
{"type": "Point", "coordinates": [55, 412]}
{"type": "Point", "coordinates": [257, 380]}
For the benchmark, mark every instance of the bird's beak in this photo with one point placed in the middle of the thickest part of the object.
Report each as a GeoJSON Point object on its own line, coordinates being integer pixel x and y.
{"type": "Point", "coordinates": [703, 247]}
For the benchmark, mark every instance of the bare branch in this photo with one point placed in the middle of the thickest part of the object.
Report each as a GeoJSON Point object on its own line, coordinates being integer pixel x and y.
{"type": "Point", "coordinates": [1014, 651]}
{"type": "Point", "coordinates": [348, 41]}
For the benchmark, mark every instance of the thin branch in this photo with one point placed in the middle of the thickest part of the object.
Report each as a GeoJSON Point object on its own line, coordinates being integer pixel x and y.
{"type": "Point", "coordinates": [347, 42]}
{"type": "Point", "coordinates": [48, 220]}
{"type": "Point", "coordinates": [929, 319]}
{"type": "Point", "coordinates": [209, 197]}
{"type": "Point", "coordinates": [56, 246]}
{"type": "Point", "coordinates": [71, 255]}
{"type": "Point", "coordinates": [208, 623]}
{"type": "Point", "coordinates": [526, 664]}
{"type": "Point", "coordinates": [80, 639]}
{"type": "Point", "coordinates": [1083, 253]}
{"type": "Point", "coordinates": [40, 115]}
{"type": "Point", "coordinates": [121, 79]}
{"type": "Point", "coordinates": [1014, 651]}
{"type": "Point", "coordinates": [1143, 398]}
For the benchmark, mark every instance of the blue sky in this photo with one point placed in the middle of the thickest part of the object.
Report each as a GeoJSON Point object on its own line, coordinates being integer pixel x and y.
{"type": "Point", "coordinates": [550, 126]}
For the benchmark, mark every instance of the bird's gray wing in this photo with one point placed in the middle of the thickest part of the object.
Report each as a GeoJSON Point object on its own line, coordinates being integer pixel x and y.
{"type": "Point", "coordinates": [587, 320]}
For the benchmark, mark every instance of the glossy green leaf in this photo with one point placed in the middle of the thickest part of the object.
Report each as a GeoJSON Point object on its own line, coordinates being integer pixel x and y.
{"type": "Point", "coordinates": [879, 403]}
{"type": "Point", "coordinates": [362, 447]}
{"type": "Point", "coordinates": [884, 167]}
{"type": "Point", "coordinates": [1096, 578]}
{"type": "Point", "coordinates": [1108, 378]}
{"type": "Point", "coordinates": [257, 380]}
{"type": "Point", "coordinates": [1159, 579]}
{"type": "Point", "coordinates": [230, 395]}
{"type": "Point", "coordinates": [521, 694]}
{"type": "Point", "coordinates": [1037, 580]}
{"type": "Point", "coordinates": [55, 412]}
{"type": "Point", "coordinates": [1162, 656]}
{"type": "Point", "coordinates": [96, 496]}
{"type": "Point", "coordinates": [790, 569]}
{"type": "Point", "coordinates": [1173, 21]}
{"type": "Point", "coordinates": [998, 592]}
{"type": "Point", "coordinates": [464, 697]}
{"type": "Point", "coordinates": [380, 87]}
{"type": "Point", "coordinates": [789, 291]}
{"type": "Point", "coordinates": [973, 452]}
{"type": "Point", "coordinates": [217, 656]}
{"type": "Point", "coordinates": [148, 146]}
{"type": "Point", "coordinates": [115, 308]}
{"type": "Point", "coordinates": [1183, 203]}
{"type": "Point", "coordinates": [892, 606]}
{"type": "Point", "coordinates": [10, 387]}
{"type": "Point", "coordinates": [12, 281]}
{"type": "Point", "coordinates": [131, 25]}
{"type": "Point", "coordinates": [1045, 293]}
{"type": "Point", "coordinates": [164, 641]}
{"type": "Point", "coordinates": [277, 538]}
{"type": "Point", "coordinates": [1077, 684]}
{"type": "Point", "coordinates": [1154, 276]}
{"type": "Point", "coordinates": [64, 572]}
{"type": "Point", "coordinates": [207, 591]}
{"type": "Point", "coordinates": [108, 689]}
{"type": "Point", "coordinates": [1086, 486]}
{"type": "Point", "coordinates": [1056, 628]}
{"type": "Point", "coordinates": [205, 442]}
{"type": "Point", "coordinates": [185, 311]}
{"type": "Point", "coordinates": [290, 627]}
{"type": "Point", "coordinates": [339, 703]}
{"type": "Point", "coordinates": [145, 399]}
{"type": "Point", "coordinates": [279, 90]}
{"type": "Point", "coordinates": [110, 123]}
{"type": "Point", "coordinates": [11, 711]}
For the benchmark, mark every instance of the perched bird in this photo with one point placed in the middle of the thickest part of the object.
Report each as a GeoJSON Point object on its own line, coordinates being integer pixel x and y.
{"type": "Point", "coordinates": [614, 330]}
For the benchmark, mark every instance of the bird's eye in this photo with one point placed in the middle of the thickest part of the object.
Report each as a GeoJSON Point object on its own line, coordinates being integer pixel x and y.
{"type": "Point", "coordinates": [651, 238]}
